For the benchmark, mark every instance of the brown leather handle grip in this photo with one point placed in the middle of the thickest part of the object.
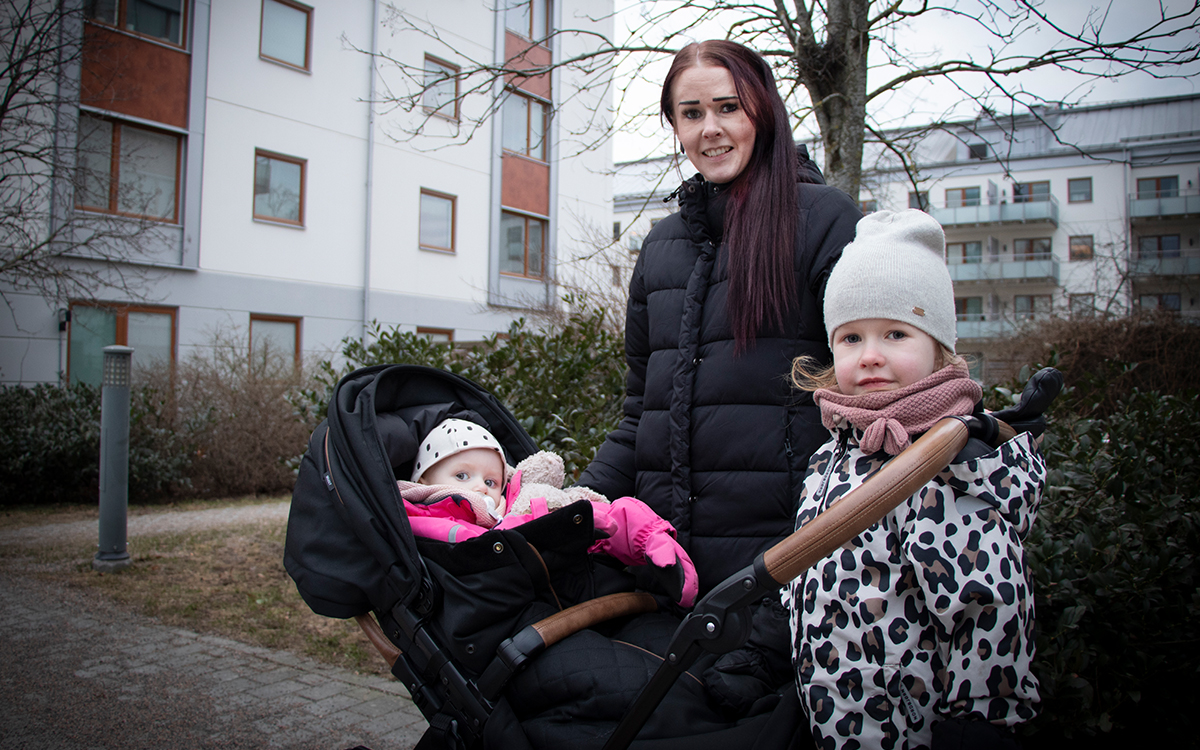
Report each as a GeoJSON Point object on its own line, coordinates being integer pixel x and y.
{"type": "Point", "coordinates": [375, 635]}
{"type": "Point", "coordinates": [573, 619]}
{"type": "Point", "coordinates": [867, 503]}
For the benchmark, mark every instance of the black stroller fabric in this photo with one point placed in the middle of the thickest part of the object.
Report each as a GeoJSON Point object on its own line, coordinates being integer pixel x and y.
{"type": "Point", "coordinates": [350, 551]}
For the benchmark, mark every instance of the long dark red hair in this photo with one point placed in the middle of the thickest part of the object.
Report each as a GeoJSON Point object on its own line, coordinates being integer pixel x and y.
{"type": "Point", "coordinates": [761, 219]}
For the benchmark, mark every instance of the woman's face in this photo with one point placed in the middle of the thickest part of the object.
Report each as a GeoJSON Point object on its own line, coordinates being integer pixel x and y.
{"type": "Point", "coordinates": [710, 123]}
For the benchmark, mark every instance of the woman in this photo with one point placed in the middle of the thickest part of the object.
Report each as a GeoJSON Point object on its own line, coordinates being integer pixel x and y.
{"type": "Point", "coordinates": [725, 294]}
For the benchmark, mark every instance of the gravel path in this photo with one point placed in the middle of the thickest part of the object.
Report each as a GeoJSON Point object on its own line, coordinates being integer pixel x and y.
{"type": "Point", "coordinates": [154, 523]}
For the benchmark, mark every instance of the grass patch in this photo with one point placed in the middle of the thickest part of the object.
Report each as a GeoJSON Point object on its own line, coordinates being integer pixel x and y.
{"type": "Point", "coordinates": [227, 581]}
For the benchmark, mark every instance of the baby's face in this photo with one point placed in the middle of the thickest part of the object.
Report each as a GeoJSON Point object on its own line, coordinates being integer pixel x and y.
{"type": "Point", "coordinates": [478, 469]}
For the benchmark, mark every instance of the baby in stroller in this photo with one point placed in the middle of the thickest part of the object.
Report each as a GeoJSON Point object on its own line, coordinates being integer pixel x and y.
{"type": "Point", "coordinates": [462, 487]}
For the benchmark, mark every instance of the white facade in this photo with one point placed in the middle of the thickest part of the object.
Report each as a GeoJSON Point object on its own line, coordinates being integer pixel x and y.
{"type": "Point", "coordinates": [355, 255]}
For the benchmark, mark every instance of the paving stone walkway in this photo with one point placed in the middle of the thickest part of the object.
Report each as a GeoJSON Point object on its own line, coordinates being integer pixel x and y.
{"type": "Point", "coordinates": [77, 673]}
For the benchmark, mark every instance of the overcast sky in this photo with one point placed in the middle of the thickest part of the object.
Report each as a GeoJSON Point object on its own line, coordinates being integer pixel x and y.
{"type": "Point", "coordinates": [941, 37]}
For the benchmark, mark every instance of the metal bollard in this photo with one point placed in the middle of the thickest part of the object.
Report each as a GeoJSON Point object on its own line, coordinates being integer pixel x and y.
{"type": "Point", "coordinates": [114, 460]}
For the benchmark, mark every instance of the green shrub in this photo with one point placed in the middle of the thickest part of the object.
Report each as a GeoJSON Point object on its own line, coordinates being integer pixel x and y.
{"type": "Point", "coordinates": [1117, 580]}
{"type": "Point", "coordinates": [566, 384]}
{"type": "Point", "coordinates": [50, 446]}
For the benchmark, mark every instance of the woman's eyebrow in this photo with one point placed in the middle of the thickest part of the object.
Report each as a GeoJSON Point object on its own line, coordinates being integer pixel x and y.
{"type": "Point", "coordinates": [715, 99]}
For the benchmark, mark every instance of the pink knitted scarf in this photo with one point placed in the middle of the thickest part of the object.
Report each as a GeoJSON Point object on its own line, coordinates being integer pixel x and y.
{"type": "Point", "coordinates": [889, 419]}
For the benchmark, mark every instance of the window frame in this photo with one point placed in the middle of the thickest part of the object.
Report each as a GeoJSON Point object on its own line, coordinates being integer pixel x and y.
{"type": "Point", "coordinates": [977, 151]}
{"type": "Point", "coordinates": [1032, 313]}
{"type": "Point", "coordinates": [121, 334]}
{"type": "Point", "coordinates": [1031, 255]}
{"type": "Point", "coordinates": [1160, 298]}
{"type": "Point", "coordinates": [868, 206]}
{"type": "Point", "coordinates": [1158, 246]}
{"type": "Point", "coordinates": [964, 315]}
{"type": "Point", "coordinates": [296, 321]}
{"type": "Point", "coordinates": [303, 163]}
{"type": "Point", "coordinates": [1159, 191]}
{"type": "Point", "coordinates": [956, 253]}
{"type": "Point", "coordinates": [1071, 193]}
{"type": "Point", "coordinates": [429, 332]}
{"type": "Point", "coordinates": [122, 11]}
{"type": "Point", "coordinates": [453, 221]}
{"type": "Point", "coordinates": [545, 241]}
{"type": "Point", "coordinates": [114, 171]}
{"type": "Point", "coordinates": [1033, 196]}
{"type": "Point", "coordinates": [963, 201]}
{"type": "Point", "coordinates": [1077, 241]}
{"type": "Point", "coordinates": [308, 13]}
{"type": "Point", "coordinates": [453, 71]}
{"type": "Point", "coordinates": [530, 102]}
{"type": "Point", "coordinates": [528, 32]}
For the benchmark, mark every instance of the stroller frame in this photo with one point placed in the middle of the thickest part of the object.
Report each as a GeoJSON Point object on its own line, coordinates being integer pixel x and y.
{"type": "Point", "coordinates": [457, 707]}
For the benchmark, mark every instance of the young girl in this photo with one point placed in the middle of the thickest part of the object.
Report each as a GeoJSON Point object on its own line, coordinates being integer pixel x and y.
{"type": "Point", "coordinates": [919, 633]}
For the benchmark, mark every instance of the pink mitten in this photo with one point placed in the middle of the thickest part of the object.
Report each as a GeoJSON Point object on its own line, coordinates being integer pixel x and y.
{"type": "Point", "coordinates": [641, 537]}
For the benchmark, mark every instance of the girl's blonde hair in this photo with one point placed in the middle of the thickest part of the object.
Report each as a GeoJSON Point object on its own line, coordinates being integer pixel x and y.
{"type": "Point", "coordinates": [809, 375]}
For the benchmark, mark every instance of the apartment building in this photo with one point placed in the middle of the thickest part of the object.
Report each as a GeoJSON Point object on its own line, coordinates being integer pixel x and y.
{"type": "Point", "coordinates": [1091, 210]}
{"type": "Point", "coordinates": [287, 207]}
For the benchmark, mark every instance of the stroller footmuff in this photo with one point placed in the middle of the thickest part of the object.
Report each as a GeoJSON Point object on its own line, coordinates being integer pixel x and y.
{"type": "Point", "coordinates": [469, 618]}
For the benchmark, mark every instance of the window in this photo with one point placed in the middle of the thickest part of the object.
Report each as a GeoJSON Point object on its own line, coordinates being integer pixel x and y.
{"type": "Point", "coordinates": [1158, 187]}
{"type": "Point", "coordinates": [968, 308]}
{"type": "Point", "coordinates": [124, 169]}
{"type": "Point", "coordinates": [977, 151]}
{"type": "Point", "coordinates": [1031, 192]}
{"type": "Point", "coordinates": [1082, 305]}
{"type": "Point", "coordinates": [1079, 190]}
{"type": "Point", "coordinates": [1161, 246]}
{"type": "Point", "coordinates": [1037, 248]}
{"type": "Point", "coordinates": [278, 188]}
{"type": "Point", "coordinates": [919, 200]}
{"type": "Point", "coordinates": [436, 335]}
{"type": "Point", "coordinates": [616, 275]}
{"type": "Point", "coordinates": [869, 206]}
{"type": "Point", "coordinates": [964, 252]}
{"type": "Point", "coordinates": [441, 88]}
{"type": "Point", "coordinates": [522, 246]}
{"type": "Point", "coordinates": [286, 33]}
{"type": "Point", "coordinates": [524, 126]}
{"type": "Point", "coordinates": [275, 337]}
{"type": "Point", "coordinates": [957, 197]}
{"type": "Point", "coordinates": [1081, 247]}
{"type": "Point", "coordinates": [149, 330]}
{"type": "Point", "coordinates": [437, 221]}
{"type": "Point", "coordinates": [1031, 306]}
{"type": "Point", "coordinates": [161, 19]}
{"type": "Point", "coordinates": [616, 231]}
{"type": "Point", "coordinates": [1160, 302]}
{"type": "Point", "coordinates": [529, 18]}
{"type": "Point", "coordinates": [974, 365]}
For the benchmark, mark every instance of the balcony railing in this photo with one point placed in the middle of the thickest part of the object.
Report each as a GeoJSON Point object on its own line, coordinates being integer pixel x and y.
{"type": "Point", "coordinates": [1020, 268]}
{"type": "Point", "coordinates": [977, 326]}
{"type": "Point", "coordinates": [1164, 203]}
{"type": "Point", "coordinates": [1167, 263]}
{"type": "Point", "coordinates": [1031, 212]}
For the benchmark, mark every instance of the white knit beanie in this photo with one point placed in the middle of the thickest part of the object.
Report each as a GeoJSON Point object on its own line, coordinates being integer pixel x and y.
{"type": "Point", "coordinates": [894, 269]}
{"type": "Point", "coordinates": [449, 437]}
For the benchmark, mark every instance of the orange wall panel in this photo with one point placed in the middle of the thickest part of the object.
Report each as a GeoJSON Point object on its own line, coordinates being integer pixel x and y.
{"type": "Point", "coordinates": [526, 185]}
{"type": "Point", "coordinates": [522, 55]}
{"type": "Point", "coordinates": [124, 74]}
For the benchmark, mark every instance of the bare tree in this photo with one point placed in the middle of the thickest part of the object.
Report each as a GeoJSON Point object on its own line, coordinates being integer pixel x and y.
{"type": "Point", "coordinates": [836, 60]}
{"type": "Point", "coordinates": [48, 161]}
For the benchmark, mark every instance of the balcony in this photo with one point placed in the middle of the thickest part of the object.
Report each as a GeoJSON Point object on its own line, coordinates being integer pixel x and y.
{"type": "Point", "coordinates": [1019, 269]}
{"type": "Point", "coordinates": [1043, 211]}
{"type": "Point", "coordinates": [976, 326]}
{"type": "Point", "coordinates": [1164, 204]}
{"type": "Point", "coordinates": [1179, 263]}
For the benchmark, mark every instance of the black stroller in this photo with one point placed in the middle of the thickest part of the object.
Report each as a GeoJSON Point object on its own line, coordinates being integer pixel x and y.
{"type": "Point", "coordinates": [519, 638]}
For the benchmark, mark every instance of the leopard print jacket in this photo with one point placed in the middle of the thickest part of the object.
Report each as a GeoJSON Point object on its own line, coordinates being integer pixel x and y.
{"type": "Point", "coordinates": [926, 615]}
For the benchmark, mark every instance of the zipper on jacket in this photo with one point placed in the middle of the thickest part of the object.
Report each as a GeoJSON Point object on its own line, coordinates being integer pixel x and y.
{"type": "Point", "coordinates": [833, 461]}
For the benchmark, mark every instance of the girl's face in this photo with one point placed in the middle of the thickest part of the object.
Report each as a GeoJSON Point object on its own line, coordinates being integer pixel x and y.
{"type": "Point", "coordinates": [716, 134]}
{"type": "Point", "coordinates": [478, 469]}
{"type": "Point", "coordinates": [881, 355]}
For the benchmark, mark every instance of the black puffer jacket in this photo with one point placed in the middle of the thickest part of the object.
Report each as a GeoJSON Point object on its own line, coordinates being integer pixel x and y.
{"type": "Point", "coordinates": [715, 443]}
